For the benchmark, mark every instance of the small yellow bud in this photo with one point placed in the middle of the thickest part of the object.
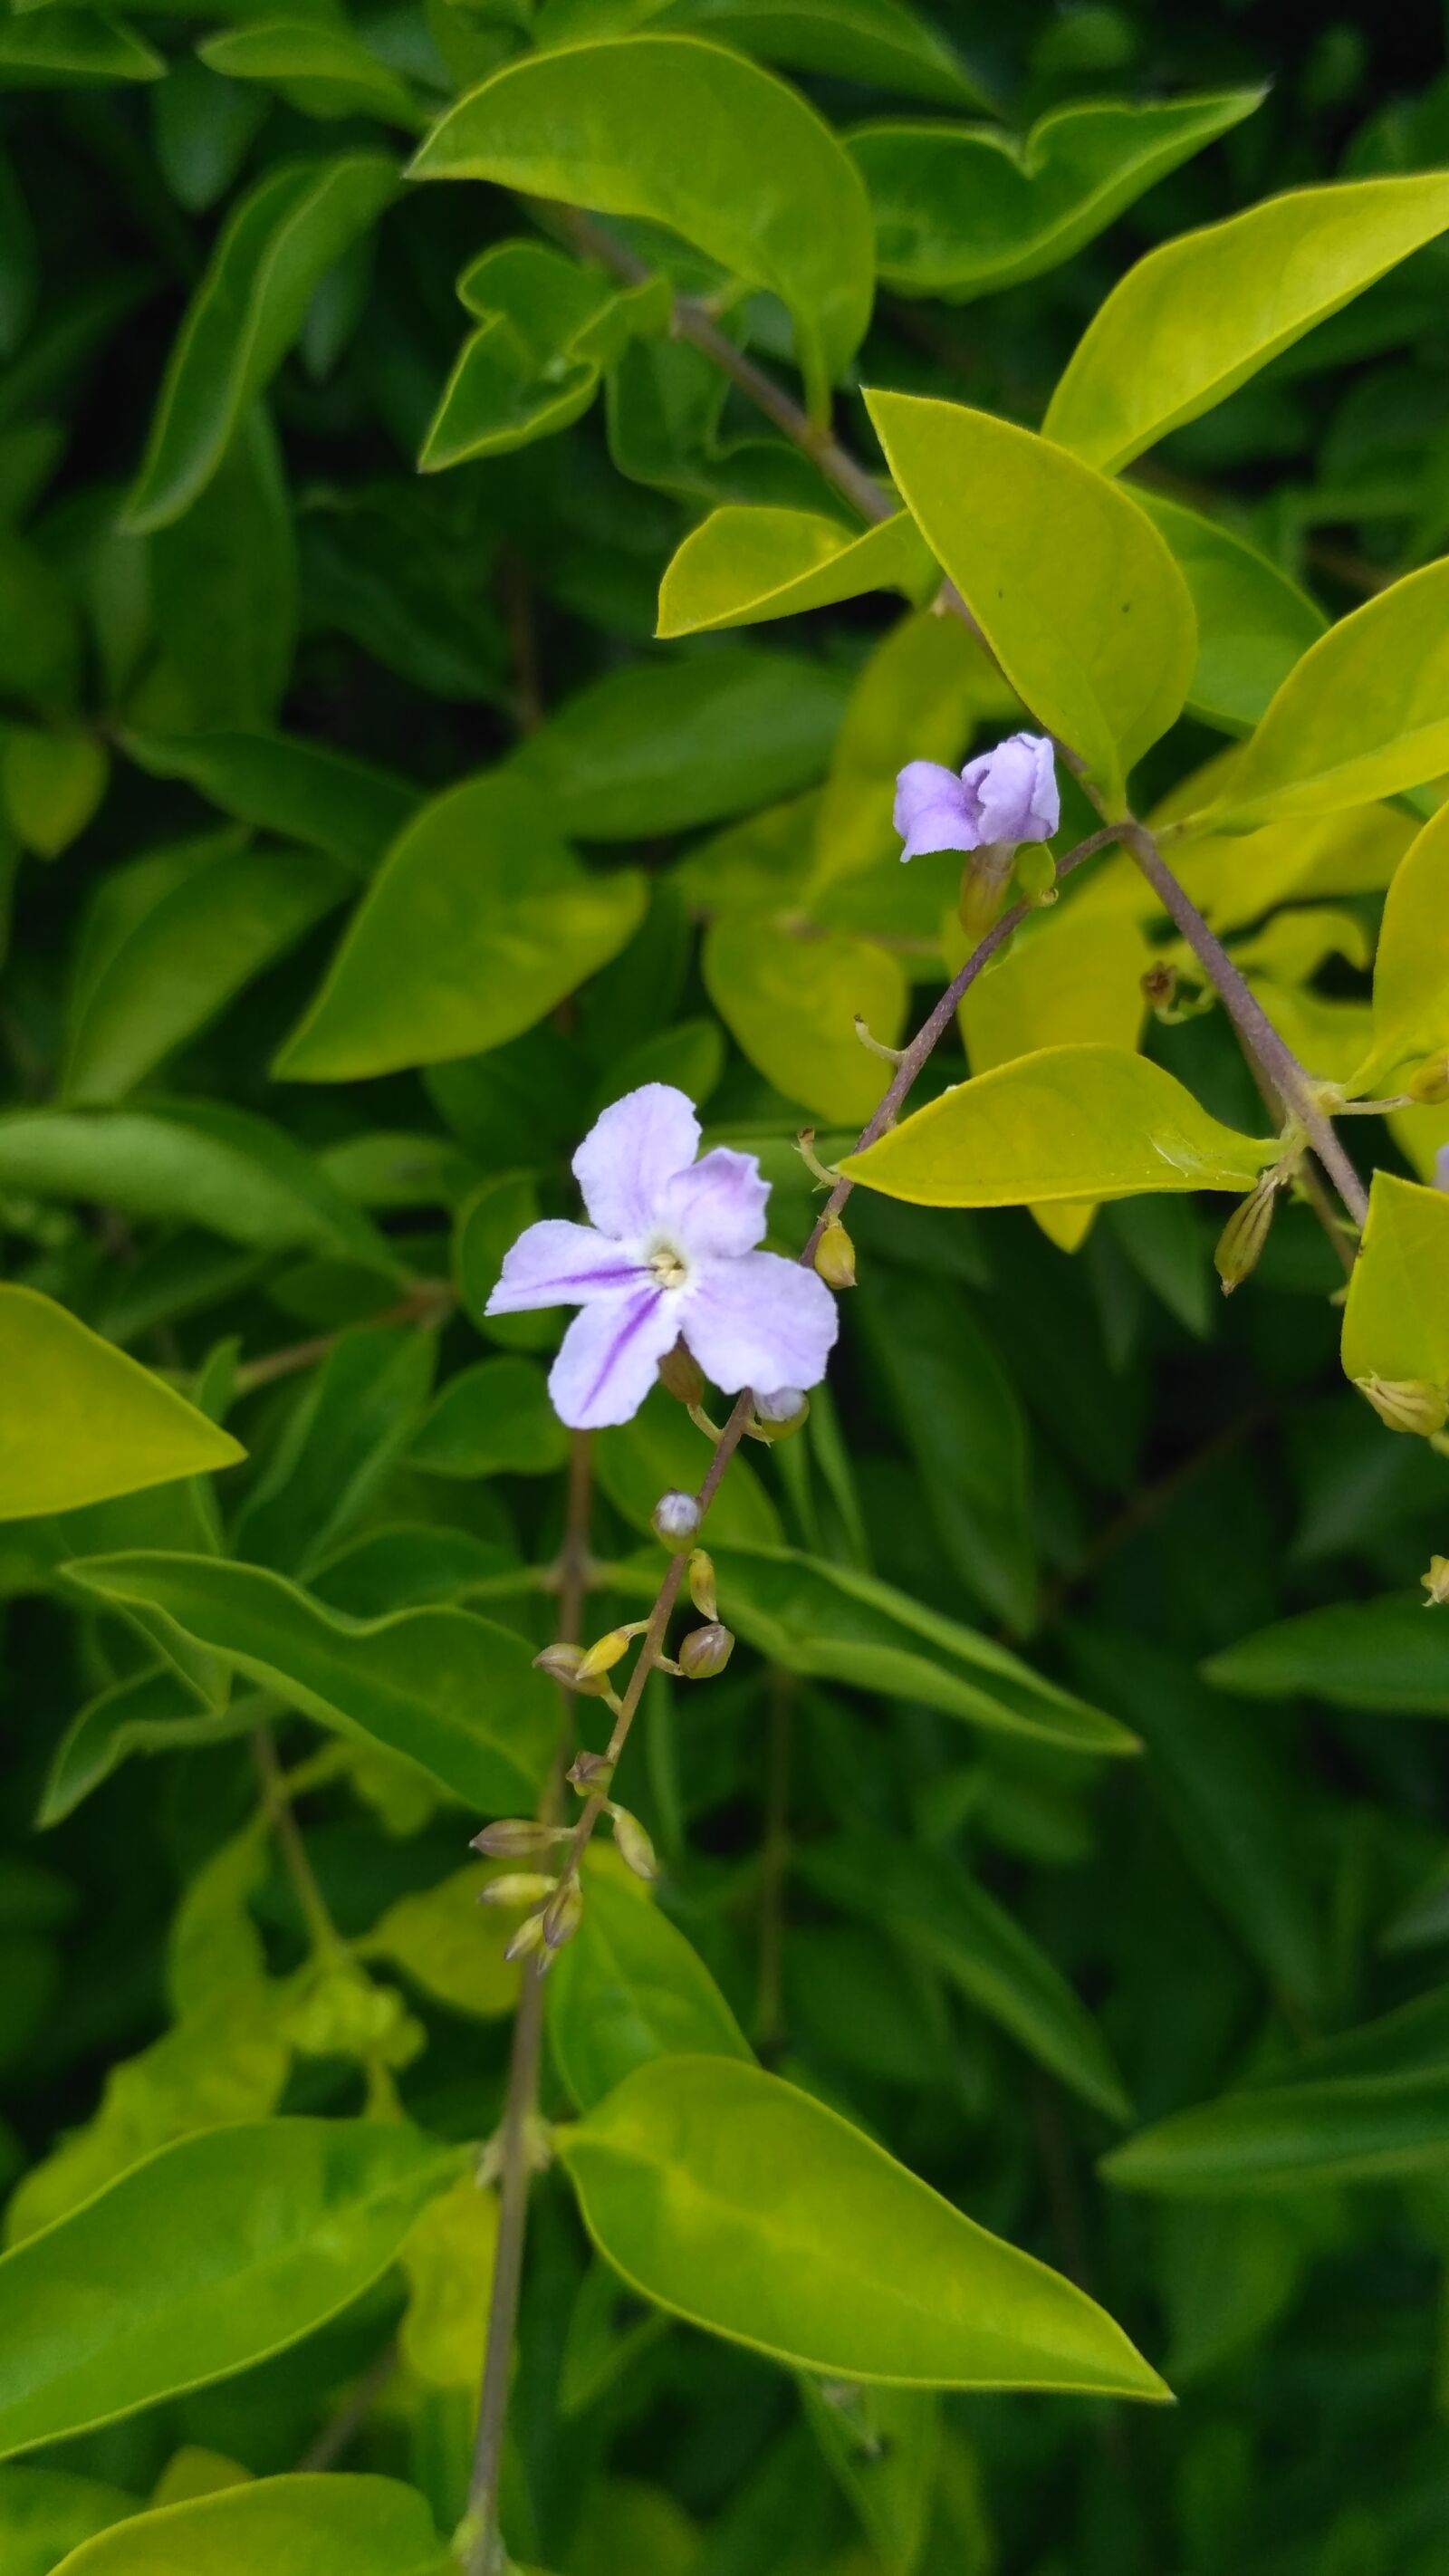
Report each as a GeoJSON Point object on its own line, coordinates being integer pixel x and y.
{"type": "Point", "coordinates": [604, 1654]}
{"type": "Point", "coordinates": [634, 1846]}
{"type": "Point", "coordinates": [564, 1664]}
{"type": "Point", "coordinates": [527, 1939]}
{"type": "Point", "coordinates": [520, 1887]}
{"type": "Point", "coordinates": [705, 1652]}
{"type": "Point", "coordinates": [681, 1376]}
{"type": "Point", "coordinates": [1407, 1403]}
{"type": "Point", "coordinates": [835, 1256]}
{"type": "Point", "coordinates": [1243, 1237]}
{"type": "Point", "coordinates": [563, 1913]}
{"type": "Point", "coordinates": [702, 1590]}
{"type": "Point", "coordinates": [1430, 1084]}
{"type": "Point", "coordinates": [1436, 1582]}
{"type": "Point", "coordinates": [1036, 875]}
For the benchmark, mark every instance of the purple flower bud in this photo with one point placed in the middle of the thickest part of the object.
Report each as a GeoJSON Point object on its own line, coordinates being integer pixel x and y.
{"type": "Point", "coordinates": [1006, 796]}
{"type": "Point", "coordinates": [676, 1517]}
{"type": "Point", "coordinates": [705, 1652]}
{"type": "Point", "coordinates": [782, 1406]}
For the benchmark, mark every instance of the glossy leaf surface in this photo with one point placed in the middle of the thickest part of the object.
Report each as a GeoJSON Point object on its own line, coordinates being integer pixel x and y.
{"type": "Point", "coordinates": [82, 1420]}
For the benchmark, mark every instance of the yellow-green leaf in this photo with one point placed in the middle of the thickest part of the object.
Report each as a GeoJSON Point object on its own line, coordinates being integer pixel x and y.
{"type": "Point", "coordinates": [1236, 877]}
{"type": "Point", "coordinates": [448, 2260]}
{"type": "Point", "coordinates": [305, 2526]}
{"type": "Point", "coordinates": [687, 135]}
{"type": "Point", "coordinates": [1364, 714]}
{"type": "Point", "coordinates": [1070, 1122]}
{"type": "Point", "coordinates": [454, 1952]}
{"type": "Point", "coordinates": [80, 1421]}
{"type": "Point", "coordinates": [791, 1001]}
{"type": "Point", "coordinates": [741, 566]}
{"type": "Point", "coordinates": [1075, 591]}
{"type": "Point", "coordinates": [1252, 621]}
{"type": "Point", "coordinates": [1396, 1322]}
{"type": "Point", "coordinates": [1201, 314]}
{"type": "Point", "coordinates": [753, 2211]}
{"type": "Point", "coordinates": [320, 70]}
{"type": "Point", "coordinates": [1411, 972]}
{"type": "Point", "coordinates": [53, 779]}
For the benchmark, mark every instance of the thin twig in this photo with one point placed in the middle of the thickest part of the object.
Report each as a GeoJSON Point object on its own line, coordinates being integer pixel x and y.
{"type": "Point", "coordinates": [520, 2109]}
{"type": "Point", "coordinates": [277, 1805]}
{"type": "Point", "coordinates": [431, 1301]}
{"type": "Point", "coordinates": [347, 2423]}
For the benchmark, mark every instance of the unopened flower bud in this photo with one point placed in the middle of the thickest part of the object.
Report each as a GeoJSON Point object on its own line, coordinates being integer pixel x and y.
{"type": "Point", "coordinates": [515, 1838]}
{"type": "Point", "coordinates": [1430, 1084]}
{"type": "Point", "coordinates": [634, 1846]}
{"type": "Point", "coordinates": [590, 1771]}
{"type": "Point", "coordinates": [528, 1938]}
{"type": "Point", "coordinates": [702, 1590]}
{"type": "Point", "coordinates": [1243, 1237]}
{"type": "Point", "coordinates": [1159, 986]}
{"type": "Point", "coordinates": [705, 1652]}
{"type": "Point", "coordinates": [681, 1376]}
{"type": "Point", "coordinates": [983, 887]}
{"type": "Point", "coordinates": [777, 1415]}
{"type": "Point", "coordinates": [564, 1664]}
{"type": "Point", "coordinates": [563, 1913]}
{"type": "Point", "coordinates": [520, 1887]}
{"type": "Point", "coordinates": [835, 1256]}
{"type": "Point", "coordinates": [675, 1518]}
{"type": "Point", "coordinates": [1436, 1582]}
{"type": "Point", "coordinates": [1036, 875]}
{"type": "Point", "coordinates": [1406, 1403]}
{"type": "Point", "coordinates": [604, 1654]}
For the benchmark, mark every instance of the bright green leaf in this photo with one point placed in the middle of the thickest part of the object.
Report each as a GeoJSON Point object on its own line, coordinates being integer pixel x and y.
{"type": "Point", "coordinates": [495, 399]}
{"type": "Point", "coordinates": [753, 2211]}
{"type": "Point", "coordinates": [791, 1003]}
{"type": "Point", "coordinates": [454, 1952]}
{"type": "Point", "coordinates": [1396, 1321]}
{"type": "Point", "coordinates": [1253, 623]}
{"type": "Point", "coordinates": [1411, 971]}
{"type": "Point", "coordinates": [1070, 1122]}
{"type": "Point", "coordinates": [741, 566]}
{"type": "Point", "coordinates": [1292, 2138]}
{"type": "Point", "coordinates": [628, 1988]}
{"type": "Point", "coordinates": [81, 1421]}
{"type": "Point", "coordinates": [45, 2513]}
{"type": "Point", "coordinates": [309, 2526]}
{"type": "Point", "coordinates": [493, 1419]}
{"type": "Point", "coordinates": [321, 70]}
{"type": "Point", "coordinates": [1201, 314]}
{"type": "Point", "coordinates": [1073, 588]}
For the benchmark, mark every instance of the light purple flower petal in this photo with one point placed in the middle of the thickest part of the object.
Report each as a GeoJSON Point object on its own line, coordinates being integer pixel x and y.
{"type": "Point", "coordinates": [932, 812]}
{"type": "Point", "coordinates": [1441, 1168]}
{"type": "Point", "coordinates": [717, 1206]}
{"type": "Point", "coordinates": [609, 1356]}
{"type": "Point", "coordinates": [558, 1264]}
{"type": "Point", "coordinates": [761, 1321]}
{"type": "Point", "coordinates": [1012, 791]}
{"type": "Point", "coordinates": [629, 1153]}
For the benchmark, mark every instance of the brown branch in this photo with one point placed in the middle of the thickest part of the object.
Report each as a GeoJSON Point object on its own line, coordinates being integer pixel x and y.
{"type": "Point", "coordinates": [429, 1301]}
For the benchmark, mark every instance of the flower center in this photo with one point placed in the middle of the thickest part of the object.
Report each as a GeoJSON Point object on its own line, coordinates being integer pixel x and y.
{"type": "Point", "coordinates": [668, 1265]}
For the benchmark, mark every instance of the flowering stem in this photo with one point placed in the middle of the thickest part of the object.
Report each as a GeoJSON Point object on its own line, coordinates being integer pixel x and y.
{"type": "Point", "coordinates": [481, 2537]}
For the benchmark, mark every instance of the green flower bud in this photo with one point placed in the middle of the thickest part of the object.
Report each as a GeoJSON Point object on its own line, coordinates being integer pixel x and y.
{"type": "Point", "coordinates": [527, 1939]}
{"type": "Point", "coordinates": [705, 1652]}
{"type": "Point", "coordinates": [1036, 874]}
{"type": "Point", "coordinates": [835, 1256]}
{"type": "Point", "coordinates": [604, 1654]}
{"type": "Point", "coordinates": [634, 1846]}
{"type": "Point", "coordinates": [1430, 1084]}
{"type": "Point", "coordinates": [983, 887]}
{"type": "Point", "coordinates": [590, 1771]}
{"type": "Point", "coordinates": [520, 1887]}
{"type": "Point", "coordinates": [563, 1914]}
{"type": "Point", "coordinates": [1243, 1237]}
{"type": "Point", "coordinates": [702, 1590]}
{"type": "Point", "coordinates": [564, 1664]}
{"type": "Point", "coordinates": [516, 1838]}
{"type": "Point", "coordinates": [681, 1376]}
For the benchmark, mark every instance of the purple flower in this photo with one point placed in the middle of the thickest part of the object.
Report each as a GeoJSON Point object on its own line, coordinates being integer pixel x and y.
{"type": "Point", "coordinates": [1006, 795]}
{"type": "Point", "coordinates": [671, 1251]}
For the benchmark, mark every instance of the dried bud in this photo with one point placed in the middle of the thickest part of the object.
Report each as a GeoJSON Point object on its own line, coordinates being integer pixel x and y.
{"type": "Point", "coordinates": [1430, 1084]}
{"type": "Point", "coordinates": [1436, 1582]}
{"type": "Point", "coordinates": [1406, 1403]}
{"type": "Point", "coordinates": [705, 1652]}
{"type": "Point", "coordinates": [675, 1518]}
{"type": "Point", "coordinates": [983, 887]}
{"type": "Point", "coordinates": [564, 1664]}
{"type": "Point", "coordinates": [702, 1590]}
{"type": "Point", "coordinates": [590, 1771]}
{"type": "Point", "coordinates": [681, 1376]}
{"type": "Point", "coordinates": [1036, 875]}
{"type": "Point", "coordinates": [516, 1838]}
{"type": "Point", "coordinates": [563, 1913]}
{"type": "Point", "coordinates": [835, 1256]}
{"type": "Point", "coordinates": [1243, 1237]}
{"type": "Point", "coordinates": [604, 1654]}
{"type": "Point", "coordinates": [528, 1938]}
{"type": "Point", "coordinates": [1159, 986]}
{"type": "Point", "coordinates": [520, 1887]}
{"type": "Point", "coordinates": [777, 1415]}
{"type": "Point", "coordinates": [634, 1846]}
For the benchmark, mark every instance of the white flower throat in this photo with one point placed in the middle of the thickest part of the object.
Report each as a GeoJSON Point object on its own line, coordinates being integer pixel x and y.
{"type": "Point", "coordinates": [668, 1265]}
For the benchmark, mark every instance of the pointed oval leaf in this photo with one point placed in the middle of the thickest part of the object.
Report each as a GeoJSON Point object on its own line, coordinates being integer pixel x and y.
{"type": "Point", "coordinates": [791, 1003]}
{"type": "Point", "coordinates": [628, 1988]}
{"type": "Point", "coordinates": [80, 1421]}
{"type": "Point", "coordinates": [1073, 588]}
{"type": "Point", "coordinates": [1411, 970]}
{"type": "Point", "coordinates": [1070, 1122]}
{"type": "Point", "coordinates": [72, 49]}
{"type": "Point", "coordinates": [497, 399]}
{"type": "Point", "coordinates": [277, 245]}
{"type": "Point", "coordinates": [211, 2254]}
{"type": "Point", "coordinates": [310, 2526]}
{"type": "Point", "coordinates": [748, 2208]}
{"type": "Point", "coordinates": [46, 2513]}
{"type": "Point", "coordinates": [1199, 315]}
{"type": "Point", "coordinates": [1396, 1321]}
{"type": "Point", "coordinates": [878, 41]}
{"type": "Point", "coordinates": [320, 70]}
{"type": "Point", "coordinates": [1359, 1654]}
{"type": "Point", "coordinates": [1292, 2137]}
{"type": "Point", "coordinates": [442, 1687]}
{"type": "Point", "coordinates": [964, 210]}
{"type": "Point", "coordinates": [480, 921]}
{"type": "Point", "coordinates": [303, 790]}
{"type": "Point", "coordinates": [1253, 623]}
{"type": "Point", "coordinates": [742, 566]}
{"type": "Point", "coordinates": [763, 186]}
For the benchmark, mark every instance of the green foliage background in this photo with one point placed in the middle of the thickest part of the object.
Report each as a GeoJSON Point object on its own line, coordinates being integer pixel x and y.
{"type": "Point", "coordinates": [249, 658]}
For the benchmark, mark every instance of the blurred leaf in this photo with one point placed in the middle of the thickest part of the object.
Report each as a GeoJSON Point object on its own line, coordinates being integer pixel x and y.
{"type": "Point", "coordinates": [764, 188]}
{"type": "Point", "coordinates": [1359, 1654]}
{"type": "Point", "coordinates": [753, 2211]}
{"type": "Point", "coordinates": [1253, 623]}
{"type": "Point", "coordinates": [448, 2260]}
{"type": "Point", "coordinates": [629, 1987]}
{"type": "Point", "coordinates": [1411, 971]}
{"type": "Point", "coordinates": [449, 1690]}
{"type": "Point", "coordinates": [443, 1943]}
{"type": "Point", "coordinates": [1201, 314]}
{"type": "Point", "coordinates": [1293, 2137]}
{"type": "Point", "coordinates": [224, 588]}
{"type": "Point", "coordinates": [661, 1451]}
{"type": "Point", "coordinates": [492, 1419]}
{"type": "Point", "coordinates": [882, 2444]}
{"type": "Point", "coordinates": [878, 41]}
{"type": "Point", "coordinates": [82, 1421]}
{"type": "Point", "coordinates": [153, 1711]}
{"type": "Point", "coordinates": [1072, 586]}
{"type": "Point", "coordinates": [60, 48]}
{"type": "Point", "coordinates": [202, 127]}
{"type": "Point", "coordinates": [331, 2526]}
{"type": "Point", "coordinates": [342, 1439]}
{"type": "Point", "coordinates": [302, 790]}
{"type": "Point", "coordinates": [320, 70]}
{"type": "Point", "coordinates": [961, 211]}
{"type": "Point", "coordinates": [479, 922]}
{"type": "Point", "coordinates": [19, 266]}
{"type": "Point", "coordinates": [790, 1002]}
{"type": "Point", "coordinates": [52, 782]}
